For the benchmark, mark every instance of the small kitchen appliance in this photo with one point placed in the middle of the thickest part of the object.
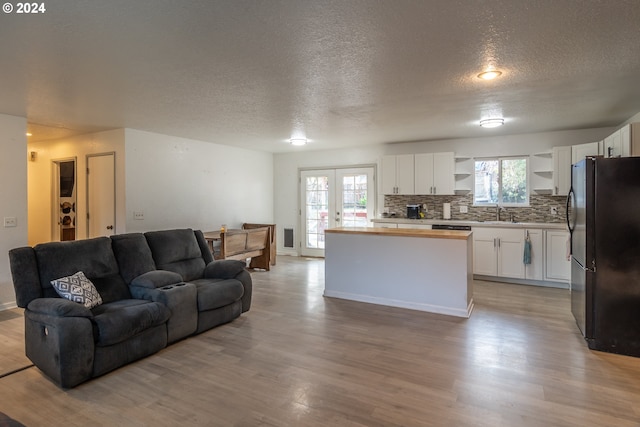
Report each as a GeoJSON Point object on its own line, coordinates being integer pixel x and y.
{"type": "Point", "coordinates": [413, 211]}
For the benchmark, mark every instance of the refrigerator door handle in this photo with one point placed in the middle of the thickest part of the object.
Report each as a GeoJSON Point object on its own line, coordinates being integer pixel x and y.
{"type": "Point", "coordinates": [570, 196]}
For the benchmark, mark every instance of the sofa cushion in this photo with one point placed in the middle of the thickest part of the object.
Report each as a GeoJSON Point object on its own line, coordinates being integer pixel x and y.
{"type": "Point", "coordinates": [216, 293]}
{"type": "Point", "coordinates": [77, 288]}
{"type": "Point", "coordinates": [177, 251]}
{"type": "Point", "coordinates": [94, 257]}
{"type": "Point", "coordinates": [133, 255]}
{"type": "Point", "coordinates": [120, 320]}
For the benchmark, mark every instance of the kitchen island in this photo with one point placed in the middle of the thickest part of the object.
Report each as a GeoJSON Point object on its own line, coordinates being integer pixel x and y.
{"type": "Point", "coordinates": [426, 270]}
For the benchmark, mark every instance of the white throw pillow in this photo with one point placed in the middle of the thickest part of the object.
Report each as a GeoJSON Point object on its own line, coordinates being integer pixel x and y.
{"type": "Point", "coordinates": [77, 288]}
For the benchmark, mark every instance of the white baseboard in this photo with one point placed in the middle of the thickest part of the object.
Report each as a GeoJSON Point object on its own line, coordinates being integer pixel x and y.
{"type": "Point", "coordinates": [450, 311]}
{"type": "Point", "coordinates": [8, 305]}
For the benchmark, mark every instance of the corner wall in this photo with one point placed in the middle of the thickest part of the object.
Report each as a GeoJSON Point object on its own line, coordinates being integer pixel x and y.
{"type": "Point", "coordinates": [13, 193]}
{"type": "Point", "coordinates": [178, 183]}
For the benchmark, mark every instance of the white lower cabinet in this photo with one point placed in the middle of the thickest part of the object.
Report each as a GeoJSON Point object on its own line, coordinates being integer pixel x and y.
{"type": "Point", "coordinates": [558, 265]}
{"type": "Point", "coordinates": [385, 225]}
{"type": "Point", "coordinates": [418, 226]}
{"type": "Point", "coordinates": [498, 252]}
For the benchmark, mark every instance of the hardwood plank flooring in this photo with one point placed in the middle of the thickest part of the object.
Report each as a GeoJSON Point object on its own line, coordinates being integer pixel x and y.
{"type": "Point", "coordinates": [299, 359]}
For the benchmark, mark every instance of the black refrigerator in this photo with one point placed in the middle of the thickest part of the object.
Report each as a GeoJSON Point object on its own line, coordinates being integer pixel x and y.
{"type": "Point", "coordinates": [604, 221]}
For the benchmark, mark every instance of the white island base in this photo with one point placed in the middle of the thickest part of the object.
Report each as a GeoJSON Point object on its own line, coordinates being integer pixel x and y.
{"type": "Point", "coordinates": [426, 270]}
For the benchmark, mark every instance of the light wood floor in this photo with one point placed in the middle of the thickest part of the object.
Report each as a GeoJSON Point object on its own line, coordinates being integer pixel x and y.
{"type": "Point", "coordinates": [298, 359]}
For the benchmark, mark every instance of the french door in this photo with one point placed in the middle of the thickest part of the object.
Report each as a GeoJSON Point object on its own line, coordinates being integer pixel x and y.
{"type": "Point", "coordinates": [333, 198]}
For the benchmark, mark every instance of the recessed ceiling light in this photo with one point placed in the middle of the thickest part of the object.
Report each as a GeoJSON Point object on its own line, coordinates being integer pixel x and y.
{"type": "Point", "coordinates": [491, 123]}
{"type": "Point", "coordinates": [28, 134]}
{"type": "Point", "coordinates": [489, 74]}
{"type": "Point", "coordinates": [298, 141]}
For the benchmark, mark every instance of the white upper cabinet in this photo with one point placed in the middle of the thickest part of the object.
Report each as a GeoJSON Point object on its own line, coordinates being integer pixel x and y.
{"type": "Point", "coordinates": [434, 173]}
{"type": "Point", "coordinates": [624, 142]}
{"type": "Point", "coordinates": [561, 170]}
{"type": "Point", "coordinates": [613, 145]}
{"type": "Point", "coordinates": [398, 174]}
{"type": "Point", "coordinates": [580, 151]}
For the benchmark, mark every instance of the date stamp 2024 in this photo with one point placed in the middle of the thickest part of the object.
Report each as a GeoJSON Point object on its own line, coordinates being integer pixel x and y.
{"type": "Point", "coordinates": [24, 8]}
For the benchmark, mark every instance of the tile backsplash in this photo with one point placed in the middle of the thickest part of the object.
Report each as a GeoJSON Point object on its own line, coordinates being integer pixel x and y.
{"type": "Point", "coordinates": [539, 209]}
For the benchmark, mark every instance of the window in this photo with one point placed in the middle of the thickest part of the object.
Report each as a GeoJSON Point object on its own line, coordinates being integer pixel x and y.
{"type": "Point", "coordinates": [501, 181]}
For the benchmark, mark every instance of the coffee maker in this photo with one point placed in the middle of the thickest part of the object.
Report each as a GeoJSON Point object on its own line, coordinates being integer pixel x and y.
{"type": "Point", "coordinates": [413, 211]}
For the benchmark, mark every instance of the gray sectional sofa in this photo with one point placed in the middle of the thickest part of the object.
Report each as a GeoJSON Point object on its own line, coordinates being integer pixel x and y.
{"type": "Point", "coordinates": [155, 288]}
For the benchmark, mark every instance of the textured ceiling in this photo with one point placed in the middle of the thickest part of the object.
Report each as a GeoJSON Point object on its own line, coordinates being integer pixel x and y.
{"type": "Point", "coordinates": [342, 73]}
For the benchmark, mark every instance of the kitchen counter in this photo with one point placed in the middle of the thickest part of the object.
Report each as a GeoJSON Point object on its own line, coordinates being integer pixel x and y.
{"type": "Point", "coordinates": [426, 270]}
{"type": "Point", "coordinates": [403, 232]}
{"type": "Point", "coordinates": [506, 224]}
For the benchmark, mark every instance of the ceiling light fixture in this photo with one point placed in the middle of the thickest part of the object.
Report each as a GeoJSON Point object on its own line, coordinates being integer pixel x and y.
{"type": "Point", "coordinates": [28, 134]}
{"type": "Point", "coordinates": [491, 123]}
{"type": "Point", "coordinates": [489, 74]}
{"type": "Point", "coordinates": [298, 141]}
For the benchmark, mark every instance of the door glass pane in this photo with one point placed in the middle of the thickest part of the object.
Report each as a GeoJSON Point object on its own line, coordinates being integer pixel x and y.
{"type": "Point", "coordinates": [354, 200]}
{"type": "Point", "coordinates": [316, 210]}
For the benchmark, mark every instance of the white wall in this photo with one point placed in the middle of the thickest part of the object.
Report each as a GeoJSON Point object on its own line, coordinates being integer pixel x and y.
{"type": "Point", "coordinates": [177, 182]}
{"type": "Point", "coordinates": [40, 185]}
{"type": "Point", "coordinates": [287, 165]}
{"type": "Point", "coordinates": [13, 196]}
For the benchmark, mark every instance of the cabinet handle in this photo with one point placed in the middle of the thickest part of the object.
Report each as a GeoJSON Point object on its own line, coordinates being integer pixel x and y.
{"type": "Point", "coordinates": [498, 242]}
{"type": "Point", "coordinates": [494, 242]}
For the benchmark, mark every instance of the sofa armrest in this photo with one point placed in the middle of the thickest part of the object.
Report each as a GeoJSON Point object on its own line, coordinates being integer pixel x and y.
{"type": "Point", "coordinates": [224, 269]}
{"type": "Point", "coordinates": [232, 269]}
{"type": "Point", "coordinates": [58, 307]}
{"type": "Point", "coordinates": [59, 340]}
{"type": "Point", "coordinates": [156, 279]}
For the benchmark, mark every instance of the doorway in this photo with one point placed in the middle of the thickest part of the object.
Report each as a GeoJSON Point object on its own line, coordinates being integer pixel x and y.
{"type": "Point", "coordinates": [333, 198]}
{"type": "Point", "coordinates": [64, 200]}
{"type": "Point", "coordinates": [101, 195]}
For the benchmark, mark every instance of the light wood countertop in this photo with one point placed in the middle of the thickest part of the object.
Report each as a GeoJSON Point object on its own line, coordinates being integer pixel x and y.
{"type": "Point", "coordinates": [403, 232]}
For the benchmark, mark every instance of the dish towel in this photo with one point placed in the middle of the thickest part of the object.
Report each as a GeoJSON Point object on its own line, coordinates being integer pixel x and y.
{"type": "Point", "coordinates": [526, 258]}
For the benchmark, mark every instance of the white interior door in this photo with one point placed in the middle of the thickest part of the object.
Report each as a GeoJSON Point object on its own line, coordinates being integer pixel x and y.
{"type": "Point", "coordinates": [332, 198]}
{"type": "Point", "coordinates": [101, 195]}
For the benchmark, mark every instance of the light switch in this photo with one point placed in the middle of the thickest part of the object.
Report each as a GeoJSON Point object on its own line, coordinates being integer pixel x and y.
{"type": "Point", "coordinates": [10, 221]}
{"type": "Point", "coordinates": [138, 215]}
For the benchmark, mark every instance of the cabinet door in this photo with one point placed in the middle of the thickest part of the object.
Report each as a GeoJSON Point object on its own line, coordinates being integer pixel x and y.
{"type": "Point", "coordinates": [415, 226]}
{"type": "Point", "coordinates": [405, 174]}
{"type": "Point", "coordinates": [444, 173]}
{"type": "Point", "coordinates": [388, 175]}
{"type": "Point", "coordinates": [580, 151]}
{"type": "Point", "coordinates": [485, 252]}
{"type": "Point", "coordinates": [558, 267]}
{"type": "Point", "coordinates": [424, 173]}
{"type": "Point", "coordinates": [625, 140]}
{"type": "Point", "coordinates": [613, 145]}
{"type": "Point", "coordinates": [386, 225]}
{"type": "Point", "coordinates": [561, 170]}
{"type": "Point", "coordinates": [535, 270]}
{"type": "Point", "coordinates": [510, 252]}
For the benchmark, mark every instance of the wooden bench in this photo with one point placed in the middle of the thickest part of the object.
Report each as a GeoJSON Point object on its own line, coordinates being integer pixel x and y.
{"type": "Point", "coordinates": [254, 243]}
{"type": "Point", "coordinates": [272, 236]}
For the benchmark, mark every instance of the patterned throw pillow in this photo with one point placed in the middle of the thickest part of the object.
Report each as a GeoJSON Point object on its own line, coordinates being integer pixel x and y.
{"type": "Point", "coordinates": [77, 288]}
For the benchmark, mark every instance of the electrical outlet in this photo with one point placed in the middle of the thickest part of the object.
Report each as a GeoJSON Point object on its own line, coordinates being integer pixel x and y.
{"type": "Point", "coordinates": [138, 215]}
{"type": "Point", "coordinates": [554, 210]}
{"type": "Point", "coordinates": [10, 221]}
{"type": "Point", "coordinates": [464, 209]}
